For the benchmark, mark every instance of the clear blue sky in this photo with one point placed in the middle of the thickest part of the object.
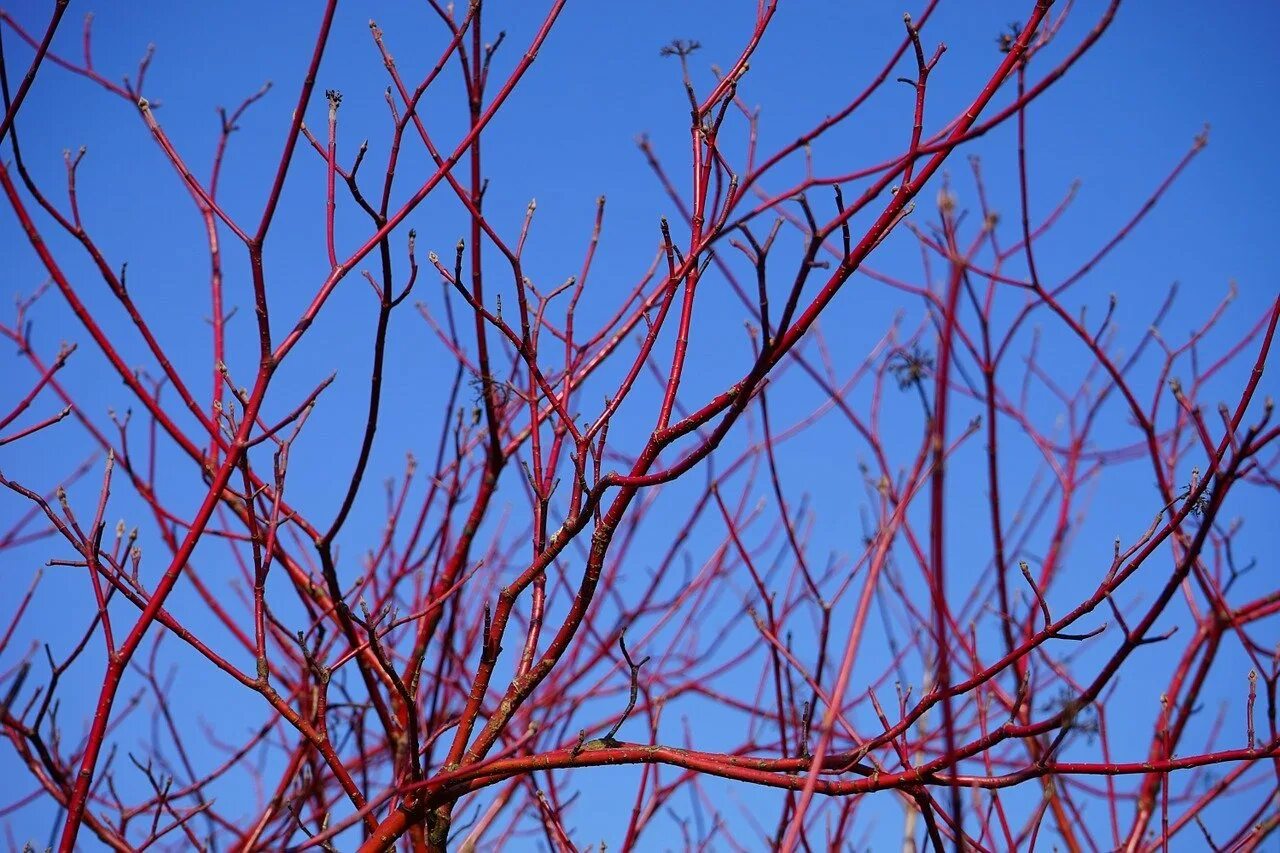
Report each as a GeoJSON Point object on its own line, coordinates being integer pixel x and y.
{"type": "Point", "coordinates": [1119, 121]}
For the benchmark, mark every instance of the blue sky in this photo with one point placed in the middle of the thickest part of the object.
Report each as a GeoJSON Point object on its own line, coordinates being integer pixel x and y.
{"type": "Point", "coordinates": [1119, 121]}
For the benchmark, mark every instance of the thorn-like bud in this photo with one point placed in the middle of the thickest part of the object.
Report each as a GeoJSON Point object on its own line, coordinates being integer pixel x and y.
{"type": "Point", "coordinates": [946, 201]}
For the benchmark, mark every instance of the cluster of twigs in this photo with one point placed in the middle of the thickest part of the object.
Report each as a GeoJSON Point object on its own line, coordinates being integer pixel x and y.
{"type": "Point", "coordinates": [461, 682]}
